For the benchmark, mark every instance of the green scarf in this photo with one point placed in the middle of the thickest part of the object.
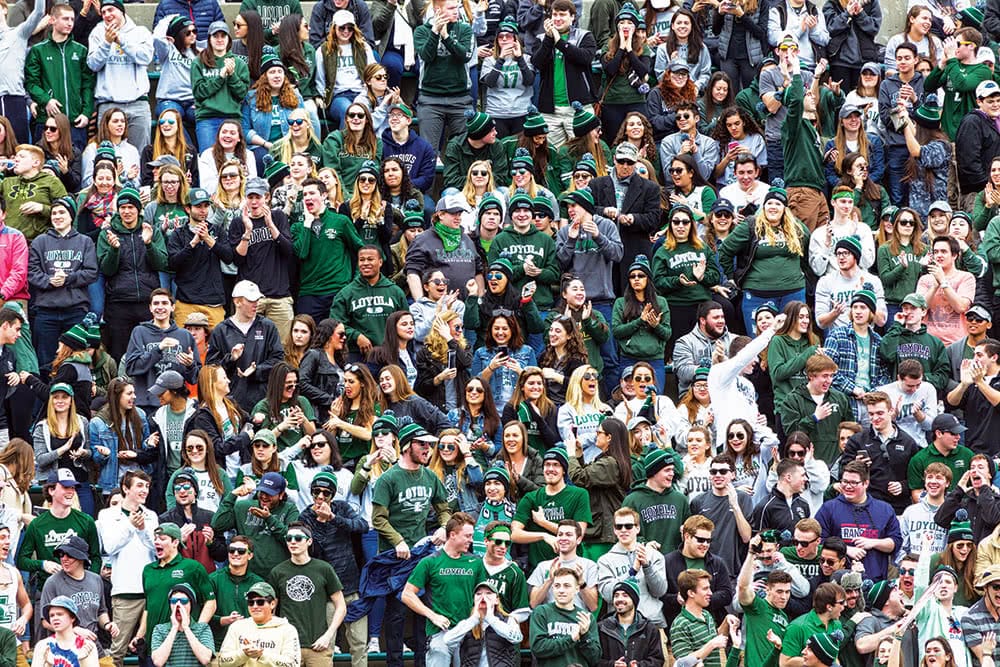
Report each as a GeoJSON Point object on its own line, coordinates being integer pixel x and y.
{"type": "Point", "coordinates": [450, 237]}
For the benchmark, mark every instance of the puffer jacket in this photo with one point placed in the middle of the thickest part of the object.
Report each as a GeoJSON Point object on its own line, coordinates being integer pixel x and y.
{"type": "Point", "coordinates": [332, 541]}
{"type": "Point", "coordinates": [132, 268]}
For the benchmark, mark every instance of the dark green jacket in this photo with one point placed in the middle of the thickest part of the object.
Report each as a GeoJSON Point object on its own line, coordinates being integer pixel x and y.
{"type": "Point", "coordinates": [636, 338]}
{"type": "Point", "coordinates": [60, 71]}
{"type": "Point", "coordinates": [796, 413]}
{"type": "Point", "coordinates": [459, 156]}
{"type": "Point", "coordinates": [603, 481]}
{"type": "Point", "coordinates": [803, 160]}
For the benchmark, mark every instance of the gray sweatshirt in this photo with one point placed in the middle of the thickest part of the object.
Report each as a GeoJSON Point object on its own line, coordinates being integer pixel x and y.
{"type": "Point", "coordinates": [14, 50]}
{"type": "Point", "coordinates": [508, 85]}
{"type": "Point", "coordinates": [175, 67]}
{"type": "Point", "coordinates": [591, 258]}
{"type": "Point", "coordinates": [121, 67]}
{"type": "Point", "coordinates": [617, 565]}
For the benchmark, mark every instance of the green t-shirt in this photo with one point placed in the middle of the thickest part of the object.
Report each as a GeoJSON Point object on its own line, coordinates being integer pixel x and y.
{"type": "Point", "coordinates": [174, 435]}
{"type": "Point", "coordinates": [570, 503]}
{"type": "Point", "coordinates": [957, 461]}
{"type": "Point", "coordinates": [510, 582]}
{"type": "Point", "coordinates": [808, 568]}
{"type": "Point", "coordinates": [303, 591]}
{"type": "Point", "coordinates": [800, 630]}
{"type": "Point", "coordinates": [351, 447]}
{"type": "Point", "coordinates": [157, 580]}
{"type": "Point", "coordinates": [761, 617]}
{"type": "Point", "coordinates": [291, 436]}
{"type": "Point", "coordinates": [449, 582]}
{"type": "Point", "coordinates": [560, 93]}
{"type": "Point", "coordinates": [408, 495]}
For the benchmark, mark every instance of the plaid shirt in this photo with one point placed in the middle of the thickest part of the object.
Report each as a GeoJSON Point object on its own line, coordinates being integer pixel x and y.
{"type": "Point", "coordinates": [841, 345]}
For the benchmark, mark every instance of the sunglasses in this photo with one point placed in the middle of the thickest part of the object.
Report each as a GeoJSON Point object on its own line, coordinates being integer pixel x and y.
{"type": "Point", "coordinates": [479, 172]}
{"type": "Point", "coordinates": [974, 318]}
{"type": "Point", "coordinates": [906, 221]}
{"type": "Point", "coordinates": [179, 601]}
{"type": "Point", "coordinates": [676, 170]}
{"type": "Point", "coordinates": [680, 221]}
{"type": "Point", "coordinates": [183, 487]}
{"type": "Point", "coordinates": [380, 77]}
{"type": "Point", "coordinates": [993, 586]}
{"type": "Point", "coordinates": [322, 493]}
{"type": "Point", "coordinates": [474, 390]}
{"type": "Point", "coordinates": [494, 275]}
{"type": "Point", "coordinates": [684, 116]}
{"type": "Point", "coordinates": [238, 551]}
{"type": "Point", "coordinates": [703, 540]}
{"type": "Point", "coordinates": [230, 174]}
{"type": "Point", "coordinates": [295, 122]}
{"type": "Point", "coordinates": [625, 162]}
{"type": "Point", "coordinates": [909, 571]}
{"type": "Point", "coordinates": [636, 276]}
{"type": "Point", "coordinates": [366, 179]}
{"type": "Point", "coordinates": [737, 436]}
{"type": "Point", "coordinates": [296, 537]}
{"type": "Point", "coordinates": [345, 28]}
{"type": "Point", "coordinates": [195, 448]}
{"type": "Point", "coordinates": [520, 171]}
{"type": "Point", "coordinates": [257, 602]}
{"type": "Point", "coordinates": [718, 471]}
{"type": "Point", "coordinates": [624, 526]}
{"type": "Point", "coordinates": [500, 543]}
{"type": "Point", "coordinates": [446, 448]}
{"type": "Point", "coordinates": [317, 444]}
{"type": "Point", "coordinates": [796, 453]}
{"type": "Point", "coordinates": [803, 543]}
{"type": "Point", "coordinates": [966, 43]}
{"type": "Point", "coordinates": [440, 282]}
{"type": "Point", "coordinates": [51, 128]}
{"type": "Point", "coordinates": [261, 445]}
{"type": "Point", "coordinates": [168, 121]}
{"type": "Point", "coordinates": [352, 368]}
{"type": "Point", "coordinates": [580, 176]}
{"type": "Point", "coordinates": [356, 115]}
{"type": "Point", "coordinates": [828, 561]}
{"type": "Point", "coordinates": [590, 375]}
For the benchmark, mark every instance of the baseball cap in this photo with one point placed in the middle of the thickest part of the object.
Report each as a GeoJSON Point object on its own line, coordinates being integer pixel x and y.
{"type": "Point", "coordinates": [63, 477]}
{"type": "Point", "coordinates": [948, 423]}
{"type": "Point", "coordinates": [848, 109]}
{"type": "Point", "coordinates": [169, 529]}
{"type": "Point", "coordinates": [626, 151]}
{"type": "Point", "coordinates": [166, 380]}
{"type": "Point", "coordinates": [914, 299]}
{"type": "Point", "coordinates": [343, 17]}
{"type": "Point", "coordinates": [164, 160]}
{"type": "Point", "coordinates": [218, 26]}
{"type": "Point", "coordinates": [262, 589]}
{"type": "Point", "coordinates": [979, 311]}
{"type": "Point", "coordinates": [939, 205]}
{"type": "Point", "coordinates": [987, 88]}
{"type": "Point", "coordinates": [247, 290]}
{"type": "Point", "coordinates": [271, 483]}
{"type": "Point", "coordinates": [723, 204]}
{"type": "Point", "coordinates": [452, 203]}
{"type": "Point", "coordinates": [199, 196]}
{"type": "Point", "coordinates": [257, 186]}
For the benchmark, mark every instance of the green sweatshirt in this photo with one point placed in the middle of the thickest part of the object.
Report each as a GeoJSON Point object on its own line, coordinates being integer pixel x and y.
{"type": "Point", "coordinates": [517, 247]}
{"type": "Point", "coordinates": [216, 96]}
{"type": "Point", "coordinates": [595, 332]}
{"type": "Point", "coordinates": [900, 343]}
{"type": "Point", "coordinates": [618, 88]}
{"type": "Point", "coordinates": [268, 534]}
{"type": "Point", "coordinates": [786, 362]}
{"type": "Point", "coordinates": [326, 251]}
{"type": "Point", "coordinates": [660, 514]}
{"type": "Point", "coordinates": [271, 12]}
{"type": "Point", "coordinates": [773, 265]}
{"type": "Point", "coordinates": [60, 71]}
{"type": "Point", "coordinates": [636, 338]}
{"type": "Point", "coordinates": [347, 165]}
{"type": "Point", "coordinates": [43, 188]}
{"type": "Point", "coordinates": [897, 280]}
{"type": "Point", "coordinates": [959, 82]}
{"type": "Point", "coordinates": [364, 308]}
{"type": "Point", "coordinates": [981, 213]}
{"type": "Point", "coordinates": [803, 160]}
{"type": "Point", "coordinates": [669, 265]}
{"type": "Point", "coordinates": [230, 595]}
{"type": "Point", "coordinates": [442, 70]}
{"type": "Point", "coordinates": [796, 413]}
{"type": "Point", "coordinates": [552, 643]}
{"type": "Point", "coordinates": [868, 214]}
{"type": "Point", "coordinates": [46, 532]}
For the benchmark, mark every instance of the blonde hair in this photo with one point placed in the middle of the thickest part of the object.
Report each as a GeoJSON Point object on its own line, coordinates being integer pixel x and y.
{"type": "Point", "coordinates": [73, 424]}
{"type": "Point", "coordinates": [435, 342]}
{"type": "Point", "coordinates": [374, 209]}
{"type": "Point", "coordinates": [574, 392]}
{"type": "Point", "coordinates": [284, 145]}
{"type": "Point", "coordinates": [221, 196]}
{"type": "Point", "coordinates": [789, 227]}
{"type": "Point", "coordinates": [338, 198]}
{"type": "Point", "coordinates": [436, 464]}
{"type": "Point", "coordinates": [469, 190]}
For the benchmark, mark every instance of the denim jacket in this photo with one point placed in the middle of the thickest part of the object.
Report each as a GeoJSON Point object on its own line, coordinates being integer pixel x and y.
{"type": "Point", "coordinates": [111, 469]}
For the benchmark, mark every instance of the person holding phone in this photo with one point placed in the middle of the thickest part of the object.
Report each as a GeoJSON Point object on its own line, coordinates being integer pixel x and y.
{"type": "Point", "coordinates": [501, 293]}
{"type": "Point", "coordinates": [504, 356]}
{"type": "Point", "coordinates": [443, 362]}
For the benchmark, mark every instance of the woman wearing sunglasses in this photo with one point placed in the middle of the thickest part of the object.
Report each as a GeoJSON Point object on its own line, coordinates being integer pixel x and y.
{"type": "Point", "coordinates": [319, 454]}
{"type": "Point", "coordinates": [321, 369]}
{"type": "Point", "coordinates": [57, 144]}
{"type": "Point", "coordinates": [265, 458]}
{"type": "Point", "coordinates": [377, 96]}
{"type": "Point", "coordinates": [174, 39]}
{"type": "Point", "coordinates": [267, 107]}
{"type": "Point", "coordinates": [212, 483]}
{"type": "Point", "coordinates": [522, 175]}
{"type": "Point", "coordinates": [300, 138]}
{"type": "Point", "coordinates": [347, 149]}
{"type": "Point", "coordinates": [283, 409]}
{"type": "Point", "coordinates": [219, 82]}
{"type": "Point", "coordinates": [221, 418]}
{"type": "Point", "coordinates": [169, 140]}
{"type": "Point", "coordinates": [607, 478]}
{"type": "Point", "coordinates": [586, 139]}
{"type": "Point", "coordinates": [583, 411]}
{"type": "Point", "coordinates": [372, 215]}
{"type": "Point", "coordinates": [443, 362]}
{"type": "Point", "coordinates": [338, 86]}
{"type": "Point", "coordinates": [690, 188]}
{"type": "Point", "coordinates": [453, 463]}
{"type": "Point", "coordinates": [502, 293]}
{"type": "Point", "coordinates": [295, 50]}
{"type": "Point", "coordinates": [482, 196]}
{"type": "Point", "coordinates": [750, 461]}
{"type": "Point", "coordinates": [899, 261]}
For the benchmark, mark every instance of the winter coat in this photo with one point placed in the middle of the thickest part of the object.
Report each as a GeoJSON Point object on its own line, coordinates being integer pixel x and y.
{"type": "Point", "coordinates": [578, 51]}
{"type": "Point", "coordinates": [262, 346]}
{"type": "Point", "coordinates": [239, 443]}
{"type": "Point", "coordinates": [977, 142]}
{"type": "Point", "coordinates": [887, 467]}
{"type": "Point", "coordinates": [723, 587]}
{"type": "Point", "coordinates": [332, 540]}
{"type": "Point", "coordinates": [428, 367]}
{"type": "Point", "coordinates": [54, 71]}
{"type": "Point", "coordinates": [320, 381]}
{"type": "Point", "coordinates": [132, 269]}
{"type": "Point", "coordinates": [644, 647]}
{"type": "Point", "coordinates": [421, 411]}
{"type": "Point", "coordinates": [603, 481]}
{"type": "Point", "coordinates": [322, 17]}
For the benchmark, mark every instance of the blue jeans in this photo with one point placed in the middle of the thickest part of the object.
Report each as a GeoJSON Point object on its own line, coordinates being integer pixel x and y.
{"type": "Point", "coordinates": [659, 369]}
{"type": "Point", "coordinates": [751, 302]}
{"type": "Point", "coordinates": [95, 291]}
{"type": "Point", "coordinates": [338, 107]}
{"type": "Point", "coordinates": [609, 353]}
{"type": "Point", "coordinates": [896, 158]}
{"type": "Point", "coordinates": [79, 137]}
{"type": "Point", "coordinates": [49, 324]}
{"type": "Point", "coordinates": [775, 161]}
{"type": "Point", "coordinates": [392, 61]}
{"type": "Point", "coordinates": [369, 547]}
{"type": "Point", "coordinates": [168, 281]}
{"type": "Point", "coordinates": [185, 109]}
{"type": "Point", "coordinates": [206, 131]}
{"type": "Point", "coordinates": [316, 305]}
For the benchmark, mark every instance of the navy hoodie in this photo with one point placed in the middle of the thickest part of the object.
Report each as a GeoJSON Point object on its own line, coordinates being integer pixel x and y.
{"type": "Point", "coordinates": [199, 274]}
{"type": "Point", "coordinates": [873, 518]}
{"type": "Point", "coordinates": [144, 360]}
{"type": "Point", "coordinates": [76, 255]}
{"type": "Point", "coordinates": [418, 156]}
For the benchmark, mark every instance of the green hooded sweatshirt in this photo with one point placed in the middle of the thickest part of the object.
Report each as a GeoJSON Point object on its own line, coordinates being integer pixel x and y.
{"type": "Point", "coordinates": [897, 280]}
{"type": "Point", "coordinates": [900, 343]}
{"type": "Point", "coordinates": [803, 160]}
{"type": "Point", "coordinates": [217, 96]}
{"type": "Point", "coordinates": [268, 534]}
{"type": "Point", "coordinates": [796, 413]}
{"type": "Point", "coordinates": [364, 308]}
{"type": "Point", "coordinates": [636, 338]}
{"type": "Point", "coordinates": [43, 188]}
{"type": "Point", "coordinates": [669, 265]}
{"type": "Point", "coordinates": [660, 514]}
{"type": "Point", "coordinates": [326, 251]}
{"type": "Point", "coordinates": [516, 247]}
{"type": "Point", "coordinates": [786, 362]}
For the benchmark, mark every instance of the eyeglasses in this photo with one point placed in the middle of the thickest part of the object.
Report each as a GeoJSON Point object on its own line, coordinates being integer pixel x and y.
{"type": "Point", "coordinates": [295, 122]}
{"type": "Point", "coordinates": [51, 128]}
{"type": "Point", "coordinates": [194, 448]}
{"type": "Point", "coordinates": [494, 275]}
{"type": "Point", "coordinates": [624, 526]}
{"type": "Point", "coordinates": [183, 487]}
{"type": "Point", "coordinates": [500, 542]}
{"type": "Point", "coordinates": [702, 540]}
{"type": "Point", "coordinates": [356, 115]}
{"type": "Point", "coordinates": [590, 375]}
{"type": "Point", "coordinates": [238, 551]}
{"type": "Point", "coordinates": [258, 602]}
{"type": "Point", "coordinates": [168, 121]}
{"type": "Point", "coordinates": [367, 179]}
{"type": "Point", "coordinates": [676, 170]}
{"type": "Point", "coordinates": [296, 537]}
{"type": "Point", "coordinates": [322, 493]}
{"type": "Point", "coordinates": [719, 471]}
{"type": "Point", "coordinates": [179, 601]}
{"type": "Point", "coordinates": [479, 172]}
{"type": "Point", "coordinates": [737, 435]}
{"type": "Point", "coordinates": [474, 390]}
{"type": "Point", "coordinates": [845, 482]}
{"type": "Point", "coordinates": [230, 174]}
{"type": "Point", "coordinates": [907, 571]}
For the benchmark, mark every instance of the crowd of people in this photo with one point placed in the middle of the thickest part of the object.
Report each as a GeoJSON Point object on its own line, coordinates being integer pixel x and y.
{"type": "Point", "coordinates": [614, 334]}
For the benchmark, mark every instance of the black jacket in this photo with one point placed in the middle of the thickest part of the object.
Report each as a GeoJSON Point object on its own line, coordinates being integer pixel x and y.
{"type": "Point", "coordinates": [203, 419]}
{"type": "Point", "coordinates": [984, 510]}
{"type": "Point", "coordinates": [887, 465]}
{"type": "Point", "coordinates": [977, 142]}
{"type": "Point", "coordinates": [546, 428]}
{"type": "Point", "coordinates": [775, 512]}
{"type": "Point", "coordinates": [320, 382]}
{"type": "Point", "coordinates": [268, 261]}
{"type": "Point", "coordinates": [723, 586]}
{"type": "Point", "coordinates": [642, 201]}
{"type": "Point", "coordinates": [422, 412]}
{"type": "Point", "coordinates": [428, 367]}
{"type": "Point", "coordinates": [200, 518]}
{"type": "Point", "coordinates": [197, 270]}
{"type": "Point", "coordinates": [261, 345]}
{"type": "Point", "coordinates": [332, 540]}
{"type": "Point", "coordinates": [578, 54]}
{"type": "Point", "coordinates": [643, 643]}
{"type": "Point", "coordinates": [991, 20]}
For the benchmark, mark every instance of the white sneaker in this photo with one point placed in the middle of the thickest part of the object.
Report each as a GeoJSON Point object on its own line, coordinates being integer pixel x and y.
{"type": "Point", "coordinates": [373, 646]}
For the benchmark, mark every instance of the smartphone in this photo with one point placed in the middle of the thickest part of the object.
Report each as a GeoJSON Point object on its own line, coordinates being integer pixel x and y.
{"type": "Point", "coordinates": [504, 350]}
{"type": "Point", "coordinates": [733, 145]}
{"type": "Point", "coordinates": [451, 358]}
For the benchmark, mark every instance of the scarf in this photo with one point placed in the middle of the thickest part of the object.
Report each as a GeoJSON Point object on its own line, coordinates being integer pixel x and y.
{"type": "Point", "coordinates": [450, 237]}
{"type": "Point", "coordinates": [101, 207]}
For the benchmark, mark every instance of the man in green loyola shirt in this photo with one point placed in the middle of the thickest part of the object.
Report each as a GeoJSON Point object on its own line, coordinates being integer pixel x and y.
{"type": "Point", "coordinates": [325, 241]}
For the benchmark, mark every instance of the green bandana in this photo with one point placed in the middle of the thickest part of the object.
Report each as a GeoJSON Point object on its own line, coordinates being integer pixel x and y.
{"type": "Point", "coordinates": [450, 237]}
{"type": "Point", "coordinates": [843, 195]}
